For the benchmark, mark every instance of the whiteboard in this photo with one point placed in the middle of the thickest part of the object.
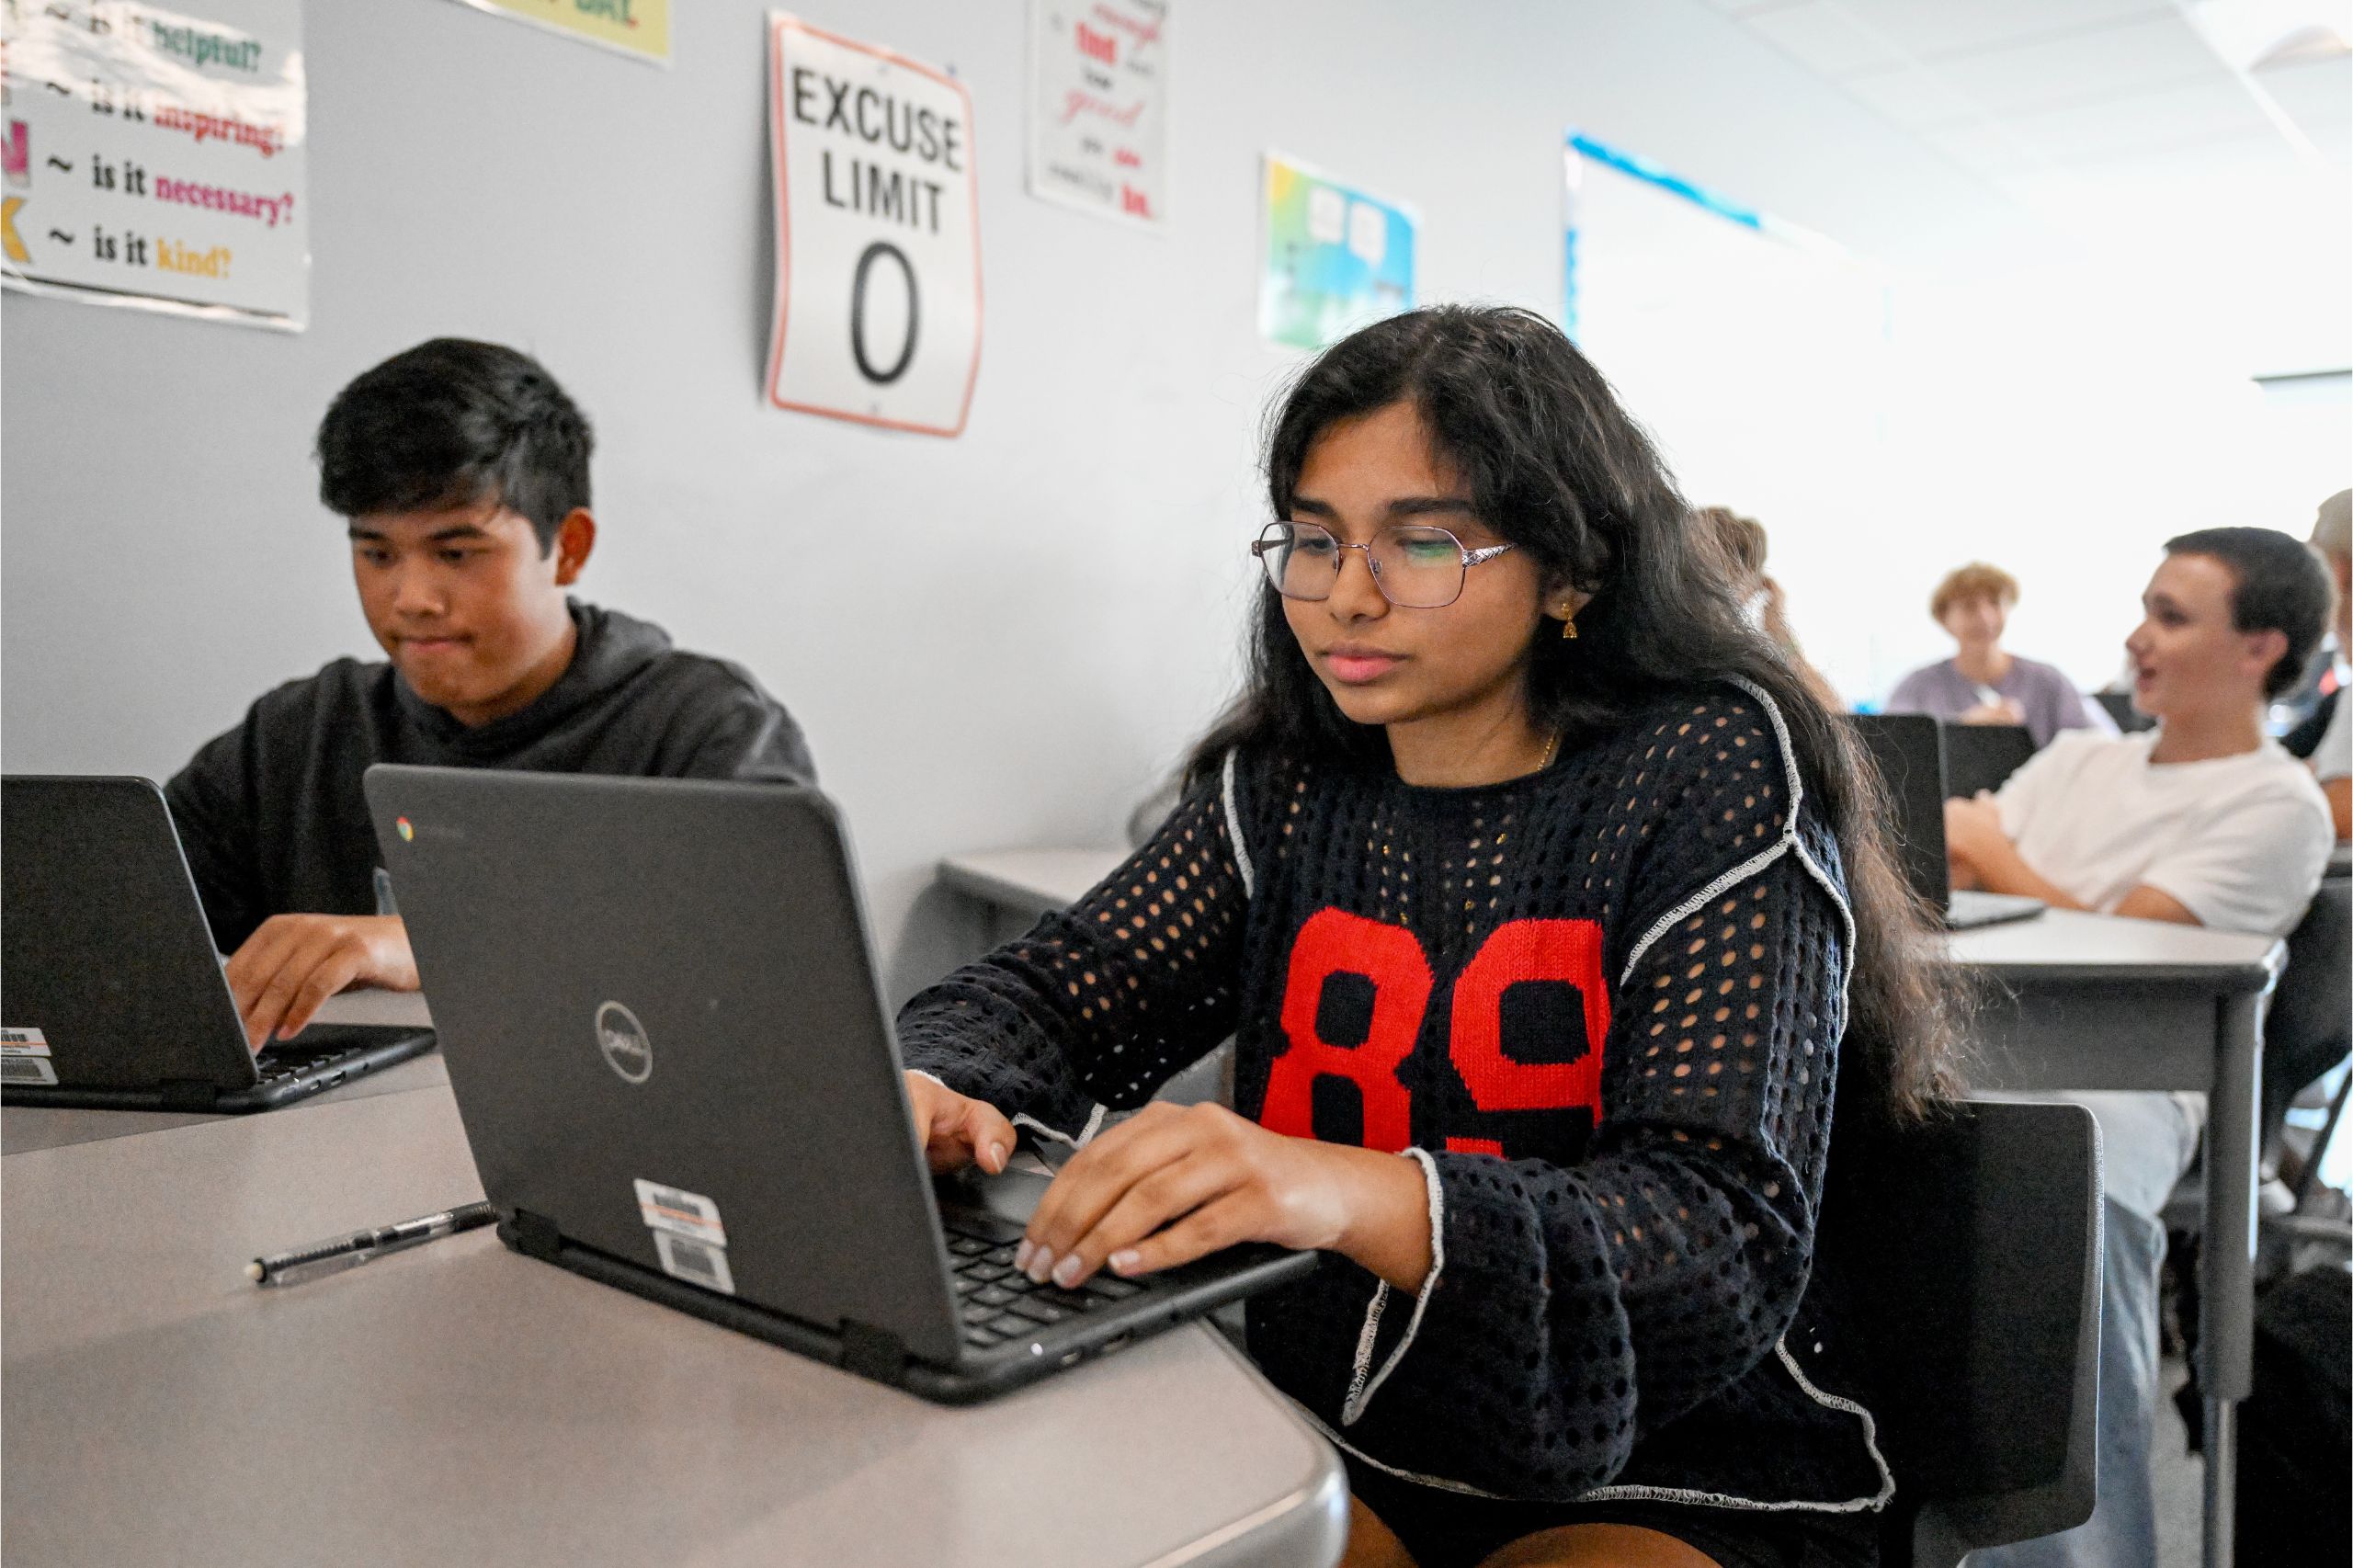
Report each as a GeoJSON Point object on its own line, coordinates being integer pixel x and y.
{"type": "Point", "coordinates": [1756, 355]}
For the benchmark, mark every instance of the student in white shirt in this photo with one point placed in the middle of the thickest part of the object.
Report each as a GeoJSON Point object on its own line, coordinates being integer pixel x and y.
{"type": "Point", "coordinates": [2203, 821]}
{"type": "Point", "coordinates": [2332, 760]}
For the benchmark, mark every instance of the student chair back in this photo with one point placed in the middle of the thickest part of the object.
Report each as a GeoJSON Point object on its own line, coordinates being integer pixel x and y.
{"type": "Point", "coordinates": [1973, 1249]}
{"type": "Point", "coordinates": [2119, 707]}
{"type": "Point", "coordinates": [2309, 1028]}
{"type": "Point", "coordinates": [1981, 756]}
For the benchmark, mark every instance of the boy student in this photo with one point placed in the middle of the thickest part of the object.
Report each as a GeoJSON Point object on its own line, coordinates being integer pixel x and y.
{"type": "Point", "coordinates": [2203, 821]}
{"type": "Point", "coordinates": [463, 471]}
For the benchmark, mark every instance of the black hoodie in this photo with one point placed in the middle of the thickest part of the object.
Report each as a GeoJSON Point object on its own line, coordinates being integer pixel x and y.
{"type": "Point", "coordinates": [272, 816]}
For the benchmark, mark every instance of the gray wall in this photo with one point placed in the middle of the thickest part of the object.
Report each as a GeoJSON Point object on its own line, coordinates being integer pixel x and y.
{"type": "Point", "coordinates": [995, 641]}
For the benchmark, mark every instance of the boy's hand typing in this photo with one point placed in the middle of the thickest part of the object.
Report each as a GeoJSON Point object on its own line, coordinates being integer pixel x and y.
{"type": "Point", "coordinates": [1175, 1183]}
{"type": "Point", "coordinates": [958, 1131]}
{"type": "Point", "coordinates": [293, 963]}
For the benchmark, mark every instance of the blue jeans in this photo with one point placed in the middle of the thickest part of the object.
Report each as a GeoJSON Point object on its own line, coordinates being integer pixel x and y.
{"type": "Point", "coordinates": [2146, 1142]}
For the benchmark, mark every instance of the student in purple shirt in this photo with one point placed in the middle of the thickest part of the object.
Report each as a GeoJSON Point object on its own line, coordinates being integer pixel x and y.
{"type": "Point", "coordinates": [1983, 682]}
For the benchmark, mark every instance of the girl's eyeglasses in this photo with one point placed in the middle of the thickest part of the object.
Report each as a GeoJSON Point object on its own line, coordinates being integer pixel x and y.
{"type": "Point", "coordinates": [1416, 566]}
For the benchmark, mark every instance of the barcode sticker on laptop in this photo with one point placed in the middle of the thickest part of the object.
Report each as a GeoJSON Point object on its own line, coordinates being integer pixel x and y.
{"type": "Point", "coordinates": [685, 1258]}
{"type": "Point", "coordinates": [683, 1213]}
{"type": "Point", "coordinates": [24, 1057]}
{"type": "Point", "coordinates": [26, 1070]}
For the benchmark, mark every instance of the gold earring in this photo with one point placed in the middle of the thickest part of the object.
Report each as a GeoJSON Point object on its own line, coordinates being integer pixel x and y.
{"type": "Point", "coordinates": [1568, 619]}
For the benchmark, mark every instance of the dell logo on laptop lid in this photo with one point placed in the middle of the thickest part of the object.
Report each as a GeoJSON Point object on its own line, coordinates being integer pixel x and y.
{"type": "Point", "coordinates": [622, 1039]}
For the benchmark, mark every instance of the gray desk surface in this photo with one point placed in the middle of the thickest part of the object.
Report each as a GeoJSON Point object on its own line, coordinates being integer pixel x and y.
{"type": "Point", "coordinates": [463, 1404]}
{"type": "Point", "coordinates": [24, 1128]}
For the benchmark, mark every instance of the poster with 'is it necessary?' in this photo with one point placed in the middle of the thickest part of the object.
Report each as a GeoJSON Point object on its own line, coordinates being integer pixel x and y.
{"type": "Point", "coordinates": [155, 157]}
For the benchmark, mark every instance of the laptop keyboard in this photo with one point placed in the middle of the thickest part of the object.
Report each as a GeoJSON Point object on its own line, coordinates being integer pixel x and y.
{"type": "Point", "coordinates": [997, 1300]}
{"type": "Point", "coordinates": [278, 1067]}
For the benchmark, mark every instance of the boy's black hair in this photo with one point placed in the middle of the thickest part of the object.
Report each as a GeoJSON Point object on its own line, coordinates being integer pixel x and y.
{"type": "Point", "coordinates": [2282, 586]}
{"type": "Point", "coordinates": [453, 422]}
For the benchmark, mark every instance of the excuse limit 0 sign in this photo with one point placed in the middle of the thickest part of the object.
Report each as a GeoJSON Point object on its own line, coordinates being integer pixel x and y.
{"type": "Point", "coordinates": [878, 270]}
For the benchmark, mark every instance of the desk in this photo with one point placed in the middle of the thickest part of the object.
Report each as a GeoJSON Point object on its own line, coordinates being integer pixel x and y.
{"type": "Point", "coordinates": [2077, 1002]}
{"type": "Point", "coordinates": [24, 1128]}
{"type": "Point", "coordinates": [461, 1403]}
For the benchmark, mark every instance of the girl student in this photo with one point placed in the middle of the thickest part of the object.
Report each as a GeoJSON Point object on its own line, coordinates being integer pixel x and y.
{"type": "Point", "coordinates": [1543, 906]}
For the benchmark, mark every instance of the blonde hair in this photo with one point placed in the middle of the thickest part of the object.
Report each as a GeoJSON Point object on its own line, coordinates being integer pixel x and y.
{"type": "Point", "coordinates": [2333, 529]}
{"type": "Point", "coordinates": [1974, 581]}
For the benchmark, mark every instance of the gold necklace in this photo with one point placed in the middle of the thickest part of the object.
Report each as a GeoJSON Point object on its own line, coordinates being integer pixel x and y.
{"type": "Point", "coordinates": [1550, 747]}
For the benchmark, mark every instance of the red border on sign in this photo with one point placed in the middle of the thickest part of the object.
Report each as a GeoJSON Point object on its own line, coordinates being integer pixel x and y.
{"type": "Point", "coordinates": [776, 29]}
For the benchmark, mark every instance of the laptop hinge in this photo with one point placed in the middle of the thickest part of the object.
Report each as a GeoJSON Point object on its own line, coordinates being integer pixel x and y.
{"type": "Point", "coordinates": [871, 1352]}
{"type": "Point", "coordinates": [533, 1235]}
{"type": "Point", "coordinates": [189, 1093]}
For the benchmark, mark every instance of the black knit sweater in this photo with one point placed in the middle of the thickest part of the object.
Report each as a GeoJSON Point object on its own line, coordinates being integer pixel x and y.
{"type": "Point", "coordinates": [1600, 1005]}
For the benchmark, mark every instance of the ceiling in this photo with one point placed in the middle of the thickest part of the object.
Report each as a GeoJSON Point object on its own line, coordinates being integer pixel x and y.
{"type": "Point", "coordinates": [2087, 110]}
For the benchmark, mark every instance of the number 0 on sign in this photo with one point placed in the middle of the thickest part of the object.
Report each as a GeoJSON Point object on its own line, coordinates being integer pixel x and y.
{"type": "Point", "coordinates": [877, 241]}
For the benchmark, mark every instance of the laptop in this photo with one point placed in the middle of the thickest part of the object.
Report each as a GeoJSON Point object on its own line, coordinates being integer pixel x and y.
{"type": "Point", "coordinates": [111, 996]}
{"type": "Point", "coordinates": [1908, 749]}
{"type": "Point", "coordinates": [670, 1050]}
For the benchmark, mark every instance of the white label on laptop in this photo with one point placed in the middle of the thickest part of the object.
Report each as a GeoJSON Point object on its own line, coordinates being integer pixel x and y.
{"type": "Point", "coordinates": [685, 1258]}
{"type": "Point", "coordinates": [681, 1213]}
{"type": "Point", "coordinates": [24, 1057]}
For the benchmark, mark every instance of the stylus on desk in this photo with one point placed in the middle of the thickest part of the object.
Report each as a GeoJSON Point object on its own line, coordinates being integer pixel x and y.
{"type": "Point", "coordinates": [334, 1256]}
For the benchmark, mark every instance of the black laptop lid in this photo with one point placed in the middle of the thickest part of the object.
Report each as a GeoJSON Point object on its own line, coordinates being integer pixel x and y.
{"type": "Point", "coordinates": [1908, 749]}
{"type": "Point", "coordinates": [1983, 756]}
{"type": "Point", "coordinates": [656, 996]}
{"type": "Point", "coordinates": [103, 949]}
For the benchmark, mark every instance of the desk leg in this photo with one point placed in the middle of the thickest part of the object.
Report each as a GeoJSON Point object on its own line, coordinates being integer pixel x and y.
{"type": "Point", "coordinates": [2226, 1351]}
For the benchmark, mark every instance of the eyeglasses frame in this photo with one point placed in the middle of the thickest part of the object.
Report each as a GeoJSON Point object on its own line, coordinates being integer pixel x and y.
{"type": "Point", "coordinates": [1470, 558]}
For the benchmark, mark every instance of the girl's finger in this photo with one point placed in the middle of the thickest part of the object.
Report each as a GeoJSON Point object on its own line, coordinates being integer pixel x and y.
{"type": "Point", "coordinates": [1165, 1196]}
{"type": "Point", "coordinates": [1214, 1226]}
{"type": "Point", "coordinates": [1096, 1177]}
{"type": "Point", "coordinates": [988, 1135]}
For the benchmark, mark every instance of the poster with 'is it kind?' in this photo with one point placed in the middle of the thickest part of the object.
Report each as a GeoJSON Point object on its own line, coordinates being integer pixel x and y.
{"type": "Point", "coordinates": [156, 157]}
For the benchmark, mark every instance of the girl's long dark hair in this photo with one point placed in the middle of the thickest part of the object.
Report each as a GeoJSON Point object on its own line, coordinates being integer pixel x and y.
{"type": "Point", "coordinates": [1555, 466]}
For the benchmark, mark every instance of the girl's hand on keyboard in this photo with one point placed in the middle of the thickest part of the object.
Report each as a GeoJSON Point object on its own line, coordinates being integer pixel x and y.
{"type": "Point", "coordinates": [1176, 1183]}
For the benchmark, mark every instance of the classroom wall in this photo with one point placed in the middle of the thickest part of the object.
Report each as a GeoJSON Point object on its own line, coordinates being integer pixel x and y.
{"type": "Point", "coordinates": [993, 641]}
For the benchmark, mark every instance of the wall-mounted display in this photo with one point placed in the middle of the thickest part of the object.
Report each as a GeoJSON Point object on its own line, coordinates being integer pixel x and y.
{"type": "Point", "coordinates": [155, 157]}
{"type": "Point", "coordinates": [637, 27]}
{"type": "Point", "coordinates": [1098, 106]}
{"type": "Point", "coordinates": [878, 239]}
{"type": "Point", "coordinates": [1334, 258]}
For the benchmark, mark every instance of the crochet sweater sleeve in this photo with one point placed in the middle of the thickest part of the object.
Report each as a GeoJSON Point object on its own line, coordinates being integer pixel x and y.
{"type": "Point", "coordinates": [1575, 1309]}
{"type": "Point", "coordinates": [1100, 1003]}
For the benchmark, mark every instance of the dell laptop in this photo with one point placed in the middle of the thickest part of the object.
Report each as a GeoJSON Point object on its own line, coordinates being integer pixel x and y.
{"type": "Point", "coordinates": [1909, 751]}
{"type": "Point", "coordinates": [111, 995]}
{"type": "Point", "coordinates": [667, 1042]}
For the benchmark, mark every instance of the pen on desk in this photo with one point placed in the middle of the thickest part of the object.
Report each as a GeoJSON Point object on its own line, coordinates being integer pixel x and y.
{"type": "Point", "coordinates": [333, 1256]}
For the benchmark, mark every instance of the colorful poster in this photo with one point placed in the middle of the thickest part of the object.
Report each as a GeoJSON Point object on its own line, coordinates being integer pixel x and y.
{"type": "Point", "coordinates": [878, 235]}
{"type": "Point", "coordinates": [1336, 258]}
{"type": "Point", "coordinates": [156, 157]}
{"type": "Point", "coordinates": [1098, 106]}
{"type": "Point", "coordinates": [640, 28]}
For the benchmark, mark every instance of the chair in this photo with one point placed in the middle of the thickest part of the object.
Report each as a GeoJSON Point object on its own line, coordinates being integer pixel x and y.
{"type": "Point", "coordinates": [2119, 707]}
{"type": "Point", "coordinates": [2310, 1027]}
{"type": "Point", "coordinates": [1970, 1249]}
{"type": "Point", "coordinates": [1980, 757]}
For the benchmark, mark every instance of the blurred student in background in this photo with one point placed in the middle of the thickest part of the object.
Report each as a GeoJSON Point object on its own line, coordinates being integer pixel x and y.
{"type": "Point", "coordinates": [1983, 682]}
{"type": "Point", "coordinates": [2203, 821]}
{"type": "Point", "coordinates": [1741, 544]}
{"type": "Point", "coordinates": [2332, 758]}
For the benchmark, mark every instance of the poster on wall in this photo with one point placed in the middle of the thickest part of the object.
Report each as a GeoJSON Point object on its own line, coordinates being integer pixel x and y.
{"type": "Point", "coordinates": [638, 27]}
{"type": "Point", "coordinates": [878, 237]}
{"type": "Point", "coordinates": [155, 157]}
{"type": "Point", "coordinates": [1336, 258]}
{"type": "Point", "coordinates": [1098, 106]}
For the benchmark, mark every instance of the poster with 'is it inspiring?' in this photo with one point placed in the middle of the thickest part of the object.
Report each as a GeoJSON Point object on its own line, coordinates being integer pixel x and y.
{"type": "Point", "coordinates": [155, 157]}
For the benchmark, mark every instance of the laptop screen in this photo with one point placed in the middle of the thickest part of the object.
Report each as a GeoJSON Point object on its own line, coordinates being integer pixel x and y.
{"type": "Point", "coordinates": [1908, 749]}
